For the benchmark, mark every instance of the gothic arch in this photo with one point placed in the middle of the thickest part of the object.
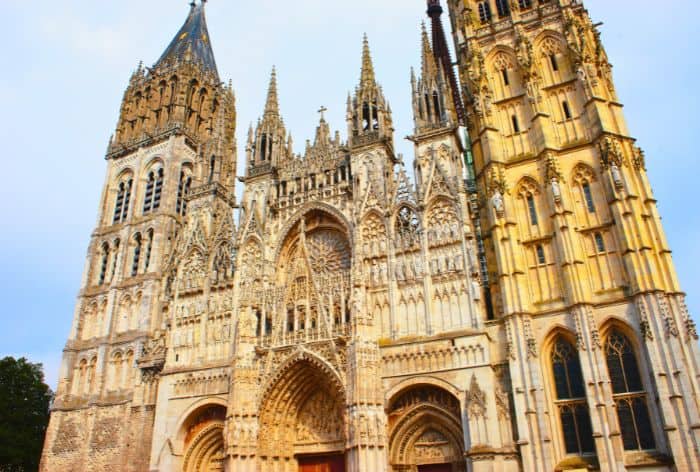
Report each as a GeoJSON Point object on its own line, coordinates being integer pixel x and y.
{"type": "Point", "coordinates": [302, 410]}
{"type": "Point", "coordinates": [551, 336]}
{"type": "Point", "coordinates": [425, 423]}
{"type": "Point", "coordinates": [197, 406]}
{"type": "Point", "coordinates": [413, 382]}
{"type": "Point", "coordinates": [548, 39]}
{"type": "Point", "coordinates": [289, 365]}
{"type": "Point", "coordinates": [153, 161]}
{"type": "Point", "coordinates": [302, 212]}
{"type": "Point", "coordinates": [495, 53]}
{"type": "Point", "coordinates": [582, 171]}
{"type": "Point", "coordinates": [614, 323]}
{"type": "Point", "coordinates": [202, 436]}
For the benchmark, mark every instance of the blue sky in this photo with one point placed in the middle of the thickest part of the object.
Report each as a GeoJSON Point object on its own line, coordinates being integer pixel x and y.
{"type": "Point", "coordinates": [66, 65]}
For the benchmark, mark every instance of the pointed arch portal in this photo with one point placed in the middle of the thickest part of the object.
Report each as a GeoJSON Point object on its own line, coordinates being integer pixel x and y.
{"type": "Point", "coordinates": [204, 440]}
{"type": "Point", "coordinates": [302, 418]}
{"type": "Point", "coordinates": [426, 433]}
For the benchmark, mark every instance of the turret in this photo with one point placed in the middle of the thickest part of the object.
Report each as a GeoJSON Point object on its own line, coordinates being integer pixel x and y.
{"type": "Point", "coordinates": [433, 107]}
{"type": "Point", "coordinates": [369, 114]}
{"type": "Point", "coordinates": [269, 146]}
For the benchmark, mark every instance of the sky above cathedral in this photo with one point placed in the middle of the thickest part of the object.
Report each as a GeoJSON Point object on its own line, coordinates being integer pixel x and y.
{"type": "Point", "coordinates": [66, 65]}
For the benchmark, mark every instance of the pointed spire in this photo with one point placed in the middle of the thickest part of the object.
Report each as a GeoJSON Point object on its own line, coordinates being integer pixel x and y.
{"type": "Point", "coordinates": [367, 77]}
{"type": "Point", "coordinates": [192, 42]}
{"type": "Point", "coordinates": [428, 66]}
{"type": "Point", "coordinates": [272, 104]}
{"type": "Point", "coordinates": [442, 55]}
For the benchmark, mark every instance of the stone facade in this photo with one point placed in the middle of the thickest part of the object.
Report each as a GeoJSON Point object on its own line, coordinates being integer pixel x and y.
{"type": "Point", "coordinates": [510, 306]}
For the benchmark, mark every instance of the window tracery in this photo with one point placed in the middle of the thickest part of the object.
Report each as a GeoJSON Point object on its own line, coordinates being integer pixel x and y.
{"type": "Point", "coordinates": [629, 393]}
{"type": "Point", "coordinates": [570, 398]}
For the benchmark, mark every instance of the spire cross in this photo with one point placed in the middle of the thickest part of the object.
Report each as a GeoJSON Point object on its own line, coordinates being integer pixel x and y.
{"type": "Point", "coordinates": [322, 110]}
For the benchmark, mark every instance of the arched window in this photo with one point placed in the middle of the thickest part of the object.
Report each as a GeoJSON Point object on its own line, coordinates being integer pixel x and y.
{"type": "Point", "coordinates": [628, 393]}
{"type": "Point", "coordinates": [154, 190]}
{"type": "Point", "coordinates": [149, 249]}
{"type": "Point", "coordinates": [121, 205]}
{"type": "Point", "coordinates": [588, 196]}
{"type": "Point", "coordinates": [516, 124]}
{"type": "Point", "coordinates": [541, 258]}
{"type": "Point", "coordinates": [91, 374]}
{"type": "Point", "coordinates": [158, 190]}
{"type": "Point", "coordinates": [599, 243]}
{"type": "Point", "coordinates": [212, 167]}
{"type": "Point", "coordinates": [532, 209]}
{"type": "Point", "coordinates": [183, 189]}
{"type": "Point", "coordinates": [484, 12]}
{"type": "Point", "coordinates": [115, 257]}
{"type": "Point", "coordinates": [504, 74]}
{"type": "Point", "coordinates": [137, 255]}
{"type": "Point", "coordinates": [103, 264]}
{"type": "Point", "coordinates": [503, 8]}
{"type": "Point", "coordinates": [553, 62]}
{"type": "Point", "coordinates": [571, 398]}
{"type": "Point", "coordinates": [365, 117]}
{"type": "Point", "coordinates": [263, 147]}
{"type": "Point", "coordinates": [566, 109]}
{"type": "Point", "coordinates": [436, 103]}
{"type": "Point", "coordinates": [148, 197]}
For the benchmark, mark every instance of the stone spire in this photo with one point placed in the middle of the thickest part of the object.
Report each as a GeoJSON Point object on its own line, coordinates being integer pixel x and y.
{"type": "Point", "coordinates": [428, 62]}
{"type": "Point", "coordinates": [367, 77]}
{"type": "Point", "coordinates": [267, 147]}
{"type": "Point", "coordinates": [272, 107]}
{"type": "Point", "coordinates": [191, 43]}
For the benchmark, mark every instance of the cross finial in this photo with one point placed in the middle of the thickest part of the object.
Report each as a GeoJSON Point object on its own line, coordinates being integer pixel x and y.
{"type": "Point", "coordinates": [322, 110]}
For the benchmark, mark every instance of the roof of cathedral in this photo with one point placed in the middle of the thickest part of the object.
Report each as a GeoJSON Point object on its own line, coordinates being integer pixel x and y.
{"type": "Point", "coordinates": [192, 42]}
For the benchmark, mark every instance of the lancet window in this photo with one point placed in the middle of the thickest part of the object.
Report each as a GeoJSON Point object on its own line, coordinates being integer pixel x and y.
{"type": "Point", "coordinates": [484, 12]}
{"type": "Point", "coordinates": [629, 393]}
{"type": "Point", "coordinates": [121, 205]}
{"type": "Point", "coordinates": [149, 250]}
{"type": "Point", "coordinates": [503, 8]}
{"type": "Point", "coordinates": [137, 255]}
{"type": "Point", "coordinates": [183, 190]}
{"type": "Point", "coordinates": [103, 264]}
{"type": "Point", "coordinates": [570, 398]}
{"type": "Point", "coordinates": [154, 190]}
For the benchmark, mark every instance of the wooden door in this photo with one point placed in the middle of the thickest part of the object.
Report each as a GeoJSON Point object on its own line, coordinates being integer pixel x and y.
{"type": "Point", "coordinates": [322, 464]}
{"type": "Point", "coordinates": [435, 468]}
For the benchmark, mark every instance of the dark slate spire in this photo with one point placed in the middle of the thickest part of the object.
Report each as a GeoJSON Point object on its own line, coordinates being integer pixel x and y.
{"type": "Point", "coordinates": [192, 42]}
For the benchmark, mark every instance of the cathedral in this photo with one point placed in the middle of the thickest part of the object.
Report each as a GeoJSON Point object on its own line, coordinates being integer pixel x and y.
{"type": "Point", "coordinates": [505, 302]}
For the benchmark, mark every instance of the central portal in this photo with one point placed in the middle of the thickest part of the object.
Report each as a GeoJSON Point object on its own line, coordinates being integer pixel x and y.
{"type": "Point", "coordinates": [322, 464]}
{"type": "Point", "coordinates": [435, 468]}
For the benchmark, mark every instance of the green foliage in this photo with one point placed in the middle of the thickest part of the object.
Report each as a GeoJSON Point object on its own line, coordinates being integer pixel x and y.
{"type": "Point", "coordinates": [24, 414]}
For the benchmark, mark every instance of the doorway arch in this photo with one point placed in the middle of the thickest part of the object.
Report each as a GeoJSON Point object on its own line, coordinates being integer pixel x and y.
{"type": "Point", "coordinates": [204, 440]}
{"type": "Point", "coordinates": [302, 414]}
{"type": "Point", "coordinates": [426, 432]}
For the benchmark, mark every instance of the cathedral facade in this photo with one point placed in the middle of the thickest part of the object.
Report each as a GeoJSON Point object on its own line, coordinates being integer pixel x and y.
{"type": "Point", "coordinates": [507, 303]}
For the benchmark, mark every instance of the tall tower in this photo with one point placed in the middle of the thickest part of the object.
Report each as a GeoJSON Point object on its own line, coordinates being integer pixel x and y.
{"type": "Point", "coordinates": [172, 153]}
{"type": "Point", "coordinates": [581, 274]}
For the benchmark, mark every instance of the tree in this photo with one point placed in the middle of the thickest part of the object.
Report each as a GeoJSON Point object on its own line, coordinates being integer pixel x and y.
{"type": "Point", "coordinates": [24, 414]}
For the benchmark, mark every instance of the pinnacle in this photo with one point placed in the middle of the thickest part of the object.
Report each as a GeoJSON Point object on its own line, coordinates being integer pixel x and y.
{"type": "Point", "coordinates": [428, 67]}
{"type": "Point", "coordinates": [367, 76]}
{"type": "Point", "coordinates": [272, 104]}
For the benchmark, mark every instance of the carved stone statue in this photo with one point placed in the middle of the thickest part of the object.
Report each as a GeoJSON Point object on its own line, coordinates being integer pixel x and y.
{"type": "Point", "coordinates": [498, 203]}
